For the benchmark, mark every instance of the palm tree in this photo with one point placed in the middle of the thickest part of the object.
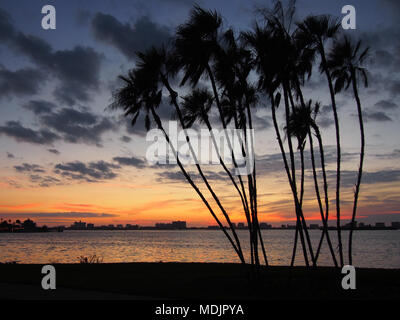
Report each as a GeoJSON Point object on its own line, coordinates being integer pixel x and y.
{"type": "Point", "coordinates": [270, 64]}
{"type": "Point", "coordinates": [142, 91]}
{"type": "Point", "coordinates": [346, 62]}
{"type": "Point", "coordinates": [315, 31]}
{"type": "Point", "coordinates": [233, 64]}
{"type": "Point", "coordinates": [287, 67]}
{"type": "Point", "coordinates": [196, 48]}
{"type": "Point", "coordinates": [301, 123]}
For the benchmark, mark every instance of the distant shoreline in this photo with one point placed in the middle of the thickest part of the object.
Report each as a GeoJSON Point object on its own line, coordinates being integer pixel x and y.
{"type": "Point", "coordinates": [56, 230]}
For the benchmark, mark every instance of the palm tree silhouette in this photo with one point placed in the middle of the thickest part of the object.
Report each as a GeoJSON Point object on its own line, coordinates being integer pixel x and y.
{"type": "Point", "coordinates": [269, 48]}
{"type": "Point", "coordinates": [301, 123]}
{"type": "Point", "coordinates": [233, 64]}
{"type": "Point", "coordinates": [346, 62]}
{"type": "Point", "coordinates": [315, 31]}
{"type": "Point", "coordinates": [196, 49]}
{"type": "Point", "coordinates": [142, 91]}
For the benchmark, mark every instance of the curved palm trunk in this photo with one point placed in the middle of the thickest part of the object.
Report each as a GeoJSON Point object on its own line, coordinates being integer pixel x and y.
{"type": "Point", "coordinates": [189, 179]}
{"type": "Point", "coordinates": [301, 204]}
{"type": "Point", "coordinates": [279, 138]}
{"type": "Point", "coordinates": [287, 96]}
{"type": "Point", "coordinates": [338, 151]}
{"type": "Point", "coordinates": [255, 187]}
{"type": "Point", "coordinates": [360, 169]}
{"type": "Point", "coordinates": [296, 236]}
{"type": "Point", "coordinates": [323, 218]}
{"type": "Point", "coordinates": [255, 231]}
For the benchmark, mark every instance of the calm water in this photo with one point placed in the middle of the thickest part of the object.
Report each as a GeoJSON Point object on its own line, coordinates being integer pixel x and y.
{"type": "Point", "coordinates": [378, 249]}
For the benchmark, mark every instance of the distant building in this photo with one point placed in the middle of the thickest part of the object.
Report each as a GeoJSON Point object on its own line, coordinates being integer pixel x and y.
{"type": "Point", "coordinates": [241, 225]}
{"type": "Point", "coordinates": [361, 225]}
{"type": "Point", "coordinates": [213, 227]}
{"type": "Point", "coordinates": [396, 224]}
{"type": "Point", "coordinates": [120, 226]}
{"type": "Point", "coordinates": [132, 227]}
{"type": "Point", "coordinates": [380, 225]}
{"type": "Point", "coordinates": [348, 225]}
{"type": "Point", "coordinates": [180, 225]}
{"type": "Point", "coordinates": [78, 225]}
{"type": "Point", "coordinates": [163, 226]}
{"type": "Point", "coordinates": [314, 226]}
{"type": "Point", "coordinates": [175, 225]}
{"type": "Point", "coordinates": [90, 226]}
{"type": "Point", "coordinates": [264, 226]}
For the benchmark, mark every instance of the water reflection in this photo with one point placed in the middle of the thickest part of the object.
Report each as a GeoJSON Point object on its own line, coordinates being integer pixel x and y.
{"type": "Point", "coordinates": [379, 249]}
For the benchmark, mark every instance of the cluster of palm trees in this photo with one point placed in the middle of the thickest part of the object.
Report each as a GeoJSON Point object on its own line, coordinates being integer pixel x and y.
{"type": "Point", "coordinates": [221, 72]}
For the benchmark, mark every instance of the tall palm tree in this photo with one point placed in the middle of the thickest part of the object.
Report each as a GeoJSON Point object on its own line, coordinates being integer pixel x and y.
{"type": "Point", "coordinates": [270, 62]}
{"type": "Point", "coordinates": [196, 48]}
{"type": "Point", "coordinates": [346, 61]}
{"type": "Point", "coordinates": [290, 65]}
{"type": "Point", "coordinates": [316, 31]}
{"type": "Point", "coordinates": [232, 67]}
{"type": "Point", "coordinates": [302, 122]}
{"type": "Point", "coordinates": [143, 92]}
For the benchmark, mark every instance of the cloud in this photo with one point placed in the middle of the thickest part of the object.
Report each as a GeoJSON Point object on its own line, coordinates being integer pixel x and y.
{"type": "Point", "coordinates": [76, 126]}
{"type": "Point", "coordinates": [177, 176]}
{"type": "Point", "coordinates": [35, 174]}
{"type": "Point", "coordinates": [386, 105]}
{"type": "Point", "coordinates": [39, 107]}
{"type": "Point", "coordinates": [378, 116]}
{"type": "Point", "coordinates": [21, 82]}
{"type": "Point", "coordinates": [143, 34]}
{"type": "Point", "coordinates": [60, 215]}
{"type": "Point", "coordinates": [348, 178]}
{"type": "Point", "coordinates": [77, 69]}
{"type": "Point", "coordinates": [68, 124]}
{"type": "Point", "coordinates": [14, 129]}
{"type": "Point", "coordinates": [54, 151]}
{"type": "Point", "coordinates": [91, 172]}
{"type": "Point", "coordinates": [126, 139]}
{"type": "Point", "coordinates": [26, 167]}
{"type": "Point", "coordinates": [44, 181]}
{"type": "Point", "coordinates": [130, 161]}
{"type": "Point", "coordinates": [393, 155]}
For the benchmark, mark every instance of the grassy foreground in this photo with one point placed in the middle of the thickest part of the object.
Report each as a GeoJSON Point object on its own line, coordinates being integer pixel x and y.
{"type": "Point", "coordinates": [200, 281]}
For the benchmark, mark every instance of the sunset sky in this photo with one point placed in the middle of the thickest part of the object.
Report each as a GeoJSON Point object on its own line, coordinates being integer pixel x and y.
{"type": "Point", "coordinates": [65, 157]}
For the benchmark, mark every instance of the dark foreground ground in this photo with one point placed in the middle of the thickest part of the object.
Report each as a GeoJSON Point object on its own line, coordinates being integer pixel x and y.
{"type": "Point", "coordinates": [193, 281]}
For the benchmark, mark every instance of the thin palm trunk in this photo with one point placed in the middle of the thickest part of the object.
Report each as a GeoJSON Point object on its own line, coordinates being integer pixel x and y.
{"type": "Point", "coordinates": [301, 194]}
{"type": "Point", "coordinates": [301, 204]}
{"type": "Point", "coordinates": [255, 186]}
{"type": "Point", "coordinates": [323, 218]}
{"type": "Point", "coordinates": [338, 150]}
{"type": "Point", "coordinates": [287, 96]}
{"type": "Point", "coordinates": [360, 169]}
{"type": "Point", "coordinates": [280, 142]}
